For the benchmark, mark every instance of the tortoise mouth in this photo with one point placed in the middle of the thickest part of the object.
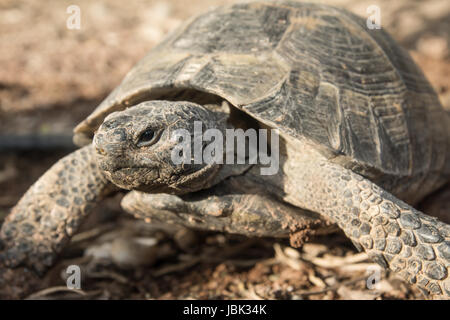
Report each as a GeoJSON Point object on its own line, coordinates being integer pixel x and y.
{"type": "Point", "coordinates": [134, 178]}
{"type": "Point", "coordinates": [148, 179]}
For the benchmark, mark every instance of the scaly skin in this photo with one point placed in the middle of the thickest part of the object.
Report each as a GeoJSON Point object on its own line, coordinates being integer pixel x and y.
{"type": "Point", "coordinates": [51, 211]}
{"type": "Point", "coordinates": [394, 234]}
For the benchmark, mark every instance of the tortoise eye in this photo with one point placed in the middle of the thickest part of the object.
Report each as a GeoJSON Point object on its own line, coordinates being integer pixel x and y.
{"type": "Point", "coordinates": [148, 137]}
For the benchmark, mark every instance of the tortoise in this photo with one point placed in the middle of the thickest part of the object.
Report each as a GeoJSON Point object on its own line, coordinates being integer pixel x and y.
{"type": "Point", "coordinates": [362, 138]}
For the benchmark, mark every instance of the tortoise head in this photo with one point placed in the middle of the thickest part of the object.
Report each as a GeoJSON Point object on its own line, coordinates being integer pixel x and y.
{"type": "Point", "coordinates": [139, 148]}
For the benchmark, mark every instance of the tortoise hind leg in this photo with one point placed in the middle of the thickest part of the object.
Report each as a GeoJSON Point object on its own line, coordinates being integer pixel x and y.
{"type": "Point", "coordinates": [50, 212]}
{"type": "Point", "coordinates": [228, 208]}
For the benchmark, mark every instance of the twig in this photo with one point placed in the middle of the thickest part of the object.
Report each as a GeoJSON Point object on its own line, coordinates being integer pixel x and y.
{"type": "Point", "coordinates": [91, 233]}
{"type": "Point", "coordinates": [175, 268]}
{"type": "Point", "coordinates": [108, 274]}
{"type": "Point", "coordinates": [51, 290]}
{"type": "Point", "coordinates": [331, 288]}
{"type": "Point", "coordinates": [335, 262]}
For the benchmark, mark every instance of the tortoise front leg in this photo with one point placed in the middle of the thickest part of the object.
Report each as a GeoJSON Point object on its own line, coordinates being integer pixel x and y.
{"type": "Point", "coordinates": [51, 211]}
{"type": "Point", "coordinates": [231, 206]}
{"type": "Point", "coordinates": [394, 234]}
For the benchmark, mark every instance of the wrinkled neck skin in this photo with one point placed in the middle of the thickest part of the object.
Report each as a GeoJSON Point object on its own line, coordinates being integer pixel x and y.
{"type": "Point", "coordinates": [295, 180]}
{"type": "Point", "coordinates": [298, 176]}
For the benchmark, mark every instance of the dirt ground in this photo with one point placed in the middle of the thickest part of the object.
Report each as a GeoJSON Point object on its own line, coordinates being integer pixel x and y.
{"type": "Point", "coordinates": [52, 77]}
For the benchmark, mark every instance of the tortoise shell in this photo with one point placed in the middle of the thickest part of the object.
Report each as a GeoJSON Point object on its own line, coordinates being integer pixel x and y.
{"type": "Point", "coordinates": [312, 71]}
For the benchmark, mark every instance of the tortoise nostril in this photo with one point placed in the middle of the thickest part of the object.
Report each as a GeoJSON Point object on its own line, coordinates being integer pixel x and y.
{"type": "Point", "coordinates": [98, 139]}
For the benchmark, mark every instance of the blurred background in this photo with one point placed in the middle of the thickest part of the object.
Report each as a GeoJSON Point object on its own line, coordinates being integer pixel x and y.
{"type": "Point", "coordinates": [51, 77]}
